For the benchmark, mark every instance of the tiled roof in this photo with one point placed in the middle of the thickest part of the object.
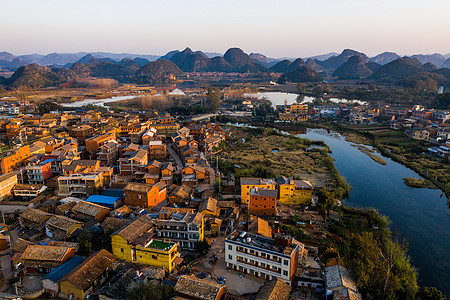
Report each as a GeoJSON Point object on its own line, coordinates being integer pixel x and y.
{"type": "Point", "coordinates": [337, 277]}
{"type": "Point", "coordinates": [136, 228]}
{"type": "Point", "coordinates": [261, 227]}
{"type": "Point", "coordinates": [88, 208]}
{"type": "Point", "coordinates": [62, 223]}
{"type": "Point", "coordinates": [138, 187]}
{"type": "Point", "coordinates": [274, 290]}
{"type": "Point", "coordinates": [195, 288]}
{"type": "Point", "coordinates": [45, 253]}
{"type": "Point", "coordinates": [35, 215]}
{"type": "Point", "coordinates": [256, 181]}
{"type": "Point", "coordinates": [20, 245]}
{"type": "Point", "coordinates": [90, 270]}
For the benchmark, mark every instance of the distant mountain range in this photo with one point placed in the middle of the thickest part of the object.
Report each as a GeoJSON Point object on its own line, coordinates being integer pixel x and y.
{"type": "Point", "coordinates": [35, 70]}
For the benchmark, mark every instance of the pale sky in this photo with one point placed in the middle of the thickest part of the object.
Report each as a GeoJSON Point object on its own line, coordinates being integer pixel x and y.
{"type": "Point", "coordinates": [291, 28]}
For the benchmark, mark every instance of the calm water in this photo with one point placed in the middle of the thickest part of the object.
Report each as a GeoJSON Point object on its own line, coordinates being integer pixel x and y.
{"type": "Point", "coordinates": [279, 98]}
{"type": "Point", "coordinates": [420, 216]}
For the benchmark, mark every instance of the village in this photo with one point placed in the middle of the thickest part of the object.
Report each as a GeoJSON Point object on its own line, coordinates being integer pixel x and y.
{"type": "Point", "coordinates": [95, 203]}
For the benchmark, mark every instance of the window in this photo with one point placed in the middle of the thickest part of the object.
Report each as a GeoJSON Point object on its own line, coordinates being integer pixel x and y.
{"type": "Point", "coordinates": [285, 273]}
{"type": "Point", "coordinates": [154, 257]}
{"type": "Point", "coordinates": [230, 256]}
{"type": "Point", "coordinates": [230, 247]}
{"type": "Point", "coordinates": [286, 262]}
{"type": "Point", "coordinates": [121, 249]}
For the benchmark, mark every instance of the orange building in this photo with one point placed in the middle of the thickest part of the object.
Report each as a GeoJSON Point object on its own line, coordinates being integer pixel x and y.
{"type": "Point", "coordinates": [157, 150]}
{"type": "Point", "coordinates": [13, 161]}
{"type": "Point", "coordinates": [263, 202]}
{"type": "Point", "coordinates": [81, 133]}
{"type": "Point", "coordinates": [93, 144]}
{"type": "Point", "coordinates": [144, 195]}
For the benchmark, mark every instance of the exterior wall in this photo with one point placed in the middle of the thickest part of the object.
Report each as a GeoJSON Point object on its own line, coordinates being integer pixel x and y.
{"type": "Point", "coordinates": [67, 288]}
{"type": "Point", "coordinates": [157, 151]}
{"type": "Point", "coordinates": [12, 162]}
{"type": "Point", "coordinates": [187, 237]}
{"type": "Point", "coordinates": [141, 255]}
{"type": "Point", "coordinates": [266, 206]}
{"type": "Point", "coordinates": [6, 186]}
{"type": "Point", "coordinates": [245, 190]}
{"type": "Point", "coordinates": [285, 192]}
{"type": "Point", "coordinates": [421, 135]}
{"type": "Point", "coordinates": [257, 265]}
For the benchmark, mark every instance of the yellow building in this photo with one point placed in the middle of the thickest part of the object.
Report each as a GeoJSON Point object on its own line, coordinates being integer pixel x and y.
{"type": "Point", "coordinates": [299, 109]}
{"type": "Point", "coordinates": [87, 276]}
{"type": "Point", "coordinates": [135, 243]}
{"type": "Point", "coordinates": [248, 183]}
{"type": "Point", "coordinates": [294, 191]}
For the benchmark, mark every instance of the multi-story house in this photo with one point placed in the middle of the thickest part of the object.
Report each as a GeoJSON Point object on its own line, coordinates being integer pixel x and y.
{"type": "Point", "coordinates": [80, 185]}
{"type": "Point", "coordinates": [108, 153]}
{"type": "Point", "coordinates": [144, 195]}
{"type": "Point", "coordinates": [93, 144]}
{"type": "Point", "coordinates": [81, 133]}
{"type": "Point", "coordinates": [135, 243]}
{"type": "Point", "coordinates": [129, 164]}
{"type": "Point", "coordinates": [263, 202]}
{"type": "Point", "coordinates": [294, 191]}
{"type": "Point", "coordinates": [157, 150]}
{"type": "Point", "coordinates": [39, 173]}
{"type": "Point", "coordinates": [15, 159]}
{"type": "Point", "coordinates": [7, 183]}
{"type": "Point", "coordinates": [186, 228]}
{"type": "Point", "coordinates": [248, 183]}
{"type": "Point", "coordinates": [262, 257]}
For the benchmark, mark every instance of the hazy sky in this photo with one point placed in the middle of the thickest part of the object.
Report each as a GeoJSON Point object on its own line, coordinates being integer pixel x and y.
{"type": "Point", "coordinates": [294, 28]}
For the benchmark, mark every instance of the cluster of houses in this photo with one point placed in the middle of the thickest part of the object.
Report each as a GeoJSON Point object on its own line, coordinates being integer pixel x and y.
{"type": "Point", "coordinates": [100, 202]}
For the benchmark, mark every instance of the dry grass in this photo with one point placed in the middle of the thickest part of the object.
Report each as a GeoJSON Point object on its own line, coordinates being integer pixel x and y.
{"type": "Point", "coordinates": [258, 150]}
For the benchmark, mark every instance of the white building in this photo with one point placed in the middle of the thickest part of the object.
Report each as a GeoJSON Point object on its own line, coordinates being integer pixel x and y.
{"type": "Point", "coordinates": [261, 256]}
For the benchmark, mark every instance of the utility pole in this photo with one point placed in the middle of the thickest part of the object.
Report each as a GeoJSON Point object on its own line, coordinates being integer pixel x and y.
{"type": "Point", "coordinates": [217, 167]}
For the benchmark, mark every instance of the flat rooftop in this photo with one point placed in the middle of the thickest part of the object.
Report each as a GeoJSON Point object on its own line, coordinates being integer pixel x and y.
{"type": "Point", "coordinates": [261, 242]}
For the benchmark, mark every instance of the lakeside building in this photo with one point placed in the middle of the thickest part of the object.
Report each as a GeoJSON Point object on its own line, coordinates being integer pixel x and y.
{"type": "Point", "coordinates": [248, 183]}
{"type": "Point", "coordinates": [294, 191]}
{"type": "Point", "coordinates": [262, 257]}
{"type": "Point", "coordinates": [263, 202]}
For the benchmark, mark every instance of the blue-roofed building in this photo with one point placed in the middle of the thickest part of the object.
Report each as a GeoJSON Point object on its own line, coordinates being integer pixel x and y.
{"type": "Point", "coordinates": [50, 281]}
{"type": "Point", "coordinates": [113, 193]}
{"type": "Point", "coordinates": [106, 201]}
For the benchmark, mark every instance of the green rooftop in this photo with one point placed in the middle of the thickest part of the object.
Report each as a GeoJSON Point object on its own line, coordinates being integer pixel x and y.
{"type": "Point", "coordinates": [160, 245]}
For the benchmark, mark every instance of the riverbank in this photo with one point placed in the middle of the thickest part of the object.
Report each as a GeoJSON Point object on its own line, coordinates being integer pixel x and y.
{"type": "Point", "coordinates": [400, 148]}
{"type": "Point", "coordinates": [355, 238]}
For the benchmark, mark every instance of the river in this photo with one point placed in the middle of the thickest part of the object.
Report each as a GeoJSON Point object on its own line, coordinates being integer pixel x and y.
{"type": "Point", "coordinates": [279, 98]}
{"type": "Point", "coordinates": [101, 102]}
{"type": "Point", "coordinates": [420, 216]}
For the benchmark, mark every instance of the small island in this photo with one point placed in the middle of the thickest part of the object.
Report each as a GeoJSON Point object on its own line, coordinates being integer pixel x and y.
{"type": "Point", "coordinates": [418, 183]}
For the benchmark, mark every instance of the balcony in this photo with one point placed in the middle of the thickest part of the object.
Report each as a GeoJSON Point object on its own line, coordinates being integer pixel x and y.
{"type": "Point", "coordinates": [257, 266]}
{"type": "Point", "coordinates": [278, 261]}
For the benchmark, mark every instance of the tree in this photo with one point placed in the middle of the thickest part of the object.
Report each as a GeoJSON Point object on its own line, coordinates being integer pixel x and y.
{"type": "Point", "coordinates": [202, 247]}
{"type": "Point", "coordinates": [47, 106]}
{"type": "Point", "coordinates": [431, 293]}
{"type": "Point", "coordinates": [317, 91]}
{"type": "Point", "coordinates": [325, 201]}
{"type": "Point", "coordinates": [151, 291]}
{"type": "Point", "coordinates": [301, 88]}
{"type": "Point", "coordinates": [213, 99]}
{"type": "Point", "coordinates": [85, 245]}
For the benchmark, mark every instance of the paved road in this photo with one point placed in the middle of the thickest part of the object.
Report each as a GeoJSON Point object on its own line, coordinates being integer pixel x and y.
{"type": "Point", "coordinates": [175, 156]}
